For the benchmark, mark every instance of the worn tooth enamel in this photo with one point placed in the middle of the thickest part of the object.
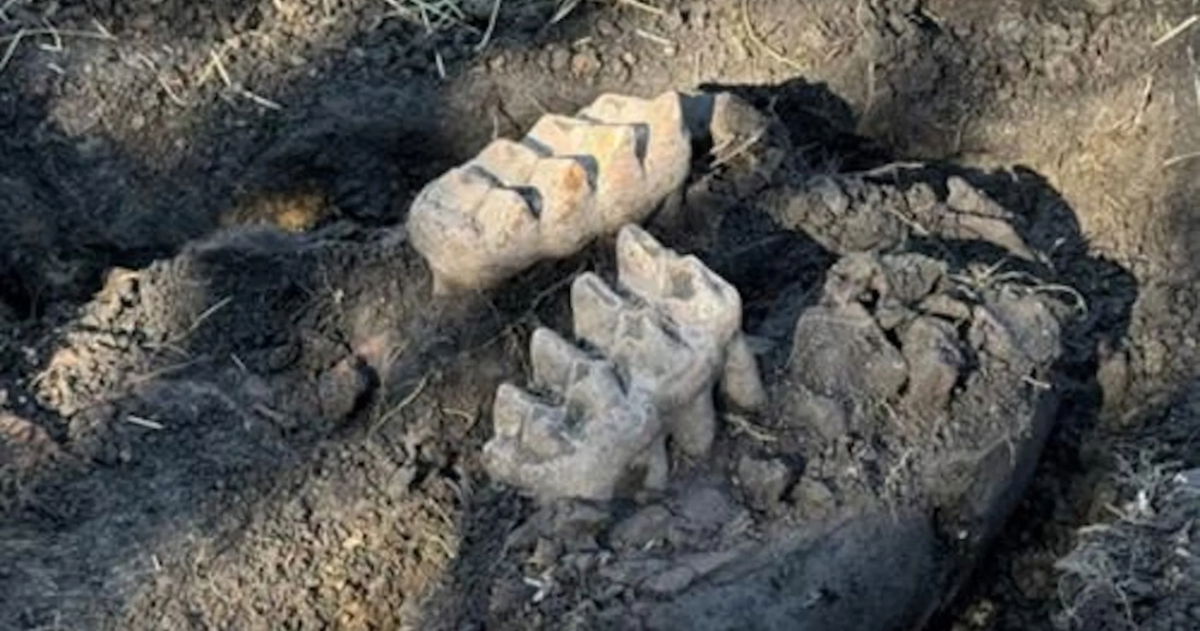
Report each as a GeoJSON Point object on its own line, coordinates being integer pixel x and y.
{"type": "Point", "coordinates": [542, 434]}
{"type": "Point", "coordinates": [664, 145]}
{"type": "Point", "coordinates": [668, 335]}
{"type": "Point", "coordinates": [510, 162]}
{"type": "Point", "coordinates": [586, 445]}
{"type": "Point", "coordinates": [579, 177]}
{"type": "Point", "coordinates": [596, 309]}
{"type": "Point", "coordinates": [557, 135]}
{"type": "Point", "coordinates": [508, 222]}
{"type": "Point", "coordinates": [553, 359]}
{"type": "Point", "coordinates": [566, 213]}
{"type": "Point", "coordinates": [676, 369]}
{"type": "Point", "coordinates": [699, 301]}
{"type": "Point", "coordinates": [621, 194]}
{"type": "Point", "coordinates": [510, 409]}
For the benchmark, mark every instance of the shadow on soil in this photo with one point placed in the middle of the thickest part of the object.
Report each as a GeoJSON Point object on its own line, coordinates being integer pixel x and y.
{"type": "Point", "coordinates": [821, 128]}
{"type": "Point", "coordinates": [230, 475]}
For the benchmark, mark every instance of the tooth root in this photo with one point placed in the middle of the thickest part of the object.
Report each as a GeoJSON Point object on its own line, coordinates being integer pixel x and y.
{"type": "Point", "coordinates": [694, 426]}
{"type": "Point", "coordinates": [657, 466]}
{"type": "Point", "coordinates": [741, 381]}
{"type": "Point", "coordinates": [596, 309]}
{"type": "Point", "coordinates": [510, 162]}
{"type": "Point", "coordinates": [568, 219]}
{"type": "Point", "coordinates": [620, 179]}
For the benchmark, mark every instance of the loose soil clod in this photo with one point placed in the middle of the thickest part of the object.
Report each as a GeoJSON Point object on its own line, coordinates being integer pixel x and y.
{"type": "Point", "coordinates": [205, 424]}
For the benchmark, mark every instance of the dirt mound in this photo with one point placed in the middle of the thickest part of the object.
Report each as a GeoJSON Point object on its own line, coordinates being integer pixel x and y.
{"type": "Point", "coordinates": [295, 418]}
{"type": "Point", "coordinates": [1138, 567]}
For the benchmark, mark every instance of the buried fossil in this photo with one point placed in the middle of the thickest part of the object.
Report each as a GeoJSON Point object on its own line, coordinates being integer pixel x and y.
{"type": "Point", "coordinates": [898, 416]}
{"type": "Point", "coordinates": [706, 451]}
{"type": "Point", "coordinates": [568, 181]}
{"type": "Point", "coordinates": [664, 345]}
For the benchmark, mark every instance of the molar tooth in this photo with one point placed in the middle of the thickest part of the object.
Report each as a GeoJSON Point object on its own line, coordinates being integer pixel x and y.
{"type": "Point", "coordinates": [567, 219]}
{"type": "Point", "coordinates": [664, 149]}
{"type": "Point", "coordinates": [510, 409]}
{"type": "Point", "coordinates": [568, 181]}
{"type": "Point", "coordinates": [556, 135]}
{"type": "Point", "coordinates": [509, 225]}
{"type": "Point", "coordinates": [553, 359]}
{"type": "Point", "coordinates": [510, 162]}
{"type": "Point", "coordinates": [596, 308]}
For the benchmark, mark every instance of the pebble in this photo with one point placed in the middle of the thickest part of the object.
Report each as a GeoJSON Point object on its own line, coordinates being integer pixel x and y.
{"type": "Point", "coordinates": [558, 58]}
{"type": "Point", "coordinates": [585, 63]}
{"type": "Point", "coordinates": [641, 528]}
{"type": "Point", "coordinates": [671, 581]}
{"type": "Point", "coordinates": [763, 480]}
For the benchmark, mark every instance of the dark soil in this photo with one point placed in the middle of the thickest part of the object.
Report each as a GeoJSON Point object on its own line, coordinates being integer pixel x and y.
{"type": "Point", "coordinates": [205, 424]}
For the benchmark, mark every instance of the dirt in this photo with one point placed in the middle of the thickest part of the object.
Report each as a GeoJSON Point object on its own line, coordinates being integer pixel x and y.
{"type": "Point", "coordinates": [211, 426]}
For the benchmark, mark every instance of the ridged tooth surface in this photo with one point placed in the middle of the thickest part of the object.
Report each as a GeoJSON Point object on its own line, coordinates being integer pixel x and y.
{"type": "Point", "coordinates": [682, 286]}
{"type": "Point", "coordinates": [567, 215]}
{"type": "Point", "coordinates": [578, 177]}
{"type": "Point", "coordinates": [596, 309]}
{"type": "Point", "coordinates": [665, 149]}
{"type": "Point", "coordinates": [510, 162]}
{"type": "Point", "coordinates": [507, 221]}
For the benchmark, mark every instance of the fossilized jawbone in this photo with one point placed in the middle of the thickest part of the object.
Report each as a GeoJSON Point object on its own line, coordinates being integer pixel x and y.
{"type": "Point", "coordinates": [668, 335]}
{"type": "Point", "coordinates": [569, 180]}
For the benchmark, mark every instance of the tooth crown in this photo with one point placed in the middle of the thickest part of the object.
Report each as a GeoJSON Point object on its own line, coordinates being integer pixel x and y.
{"type": "Point", "coordinates": [669, 335]}
{"type": "Point", "coordinates": [569, 180]}
{"type": "Point", "coordinates": [597, 440]}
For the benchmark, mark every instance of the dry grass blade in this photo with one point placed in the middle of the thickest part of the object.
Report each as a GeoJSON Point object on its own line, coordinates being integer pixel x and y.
{"type": "Point", "coordinates": [14, 40]}
{"type": "Point", "coordinates": [11, 49]}
{"type": "Point", "coordinates": [102, 35]}
{"type": "Point", "coordinates": [1172, 161]}
{"type": "Point", "coordinates": [654, 37]}
{"type": "Point", "coordinates": [1176, 31]}
{"type": "Point", "coordinates": [405, 402]}
{"type": "Point", "coordinates": [260, 100]}
{"type": "Point", "coordinates": [564, 9]}
{"type": "Point", "coordinates": [761, 43]}
{"type": "Point", "coordinates": [741, 425]}
{"type": "Point", "coordinates": [442, 12]}
{"type": "Point", "coordinates": [725, 155]}
{"type": "Point", "coordinates": [208, 313]}
{"type": "Point", "coordinates": [491, 27]}
{"type": "Point", "coordinates": [166, 370]}
{"type": "Point", "coordinates": [133, 419]}
{"type": "Point", "coordinates": [642, 6]}
{"type": "Point", "coordinates": [219, 66]}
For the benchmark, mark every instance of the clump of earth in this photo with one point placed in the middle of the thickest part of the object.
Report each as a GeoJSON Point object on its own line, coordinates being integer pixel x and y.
{"type": "Point", "coordinates": [227, 398]}
{"type": "Point", "coordinates": [907, 334]}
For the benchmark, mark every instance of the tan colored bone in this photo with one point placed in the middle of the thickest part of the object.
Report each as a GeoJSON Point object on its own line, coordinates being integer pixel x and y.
{"type": "Point", "coordinates": [568, 181]}
{"type": "Point", "coordinates": [676, 336]}
{"type": "Point", "coordinates": [670, 333]}
{"type": "Point", "coordinates": [600, 441]}
{"type": "Point", "coordinates": [699, 301]}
